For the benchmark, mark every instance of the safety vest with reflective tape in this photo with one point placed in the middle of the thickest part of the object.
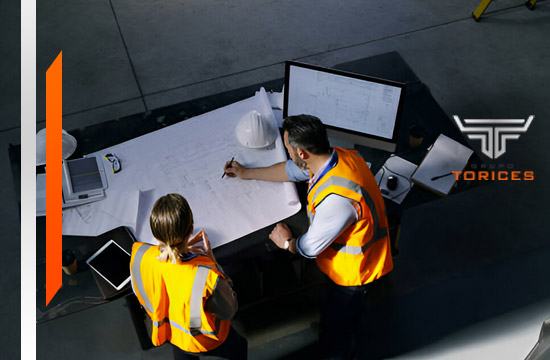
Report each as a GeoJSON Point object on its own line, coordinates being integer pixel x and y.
{"type": "Point", "coordinates": [174, 296]}
{"type": "Point", "coordinates": [361, 253]}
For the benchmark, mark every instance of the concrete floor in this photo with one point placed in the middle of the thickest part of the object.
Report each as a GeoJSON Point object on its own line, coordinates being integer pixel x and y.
{"type": "Point", "coordinates": [124, 57]}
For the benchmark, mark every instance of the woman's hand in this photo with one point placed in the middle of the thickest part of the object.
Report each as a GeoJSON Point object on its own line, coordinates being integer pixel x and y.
{"type": "Point", "coordinates": [199, 244]}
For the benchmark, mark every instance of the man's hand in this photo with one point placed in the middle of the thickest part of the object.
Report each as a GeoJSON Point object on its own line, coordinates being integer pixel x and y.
{"type": "Point", "coordinates": [234, 169]}
{"type": "Point", "coordinates": [275, 172]}
{"type": "Point", "coordinates": [280, 234]}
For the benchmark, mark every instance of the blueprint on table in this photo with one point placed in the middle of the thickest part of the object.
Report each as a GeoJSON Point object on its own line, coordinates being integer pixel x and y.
{"type": "Point", "coordinates": [188, 158]}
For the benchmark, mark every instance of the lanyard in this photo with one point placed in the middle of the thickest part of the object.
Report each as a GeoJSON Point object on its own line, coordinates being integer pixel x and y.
{"type": "Point", "coordinates": [332, 163]}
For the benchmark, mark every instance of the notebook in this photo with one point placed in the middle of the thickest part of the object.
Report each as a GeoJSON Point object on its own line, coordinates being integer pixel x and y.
{"type": "Point", "coordinates": [435, 172]}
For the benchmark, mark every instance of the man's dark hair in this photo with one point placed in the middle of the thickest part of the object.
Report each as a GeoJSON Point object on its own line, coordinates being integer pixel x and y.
{"type": "Point", "coordinates": [308, 133]}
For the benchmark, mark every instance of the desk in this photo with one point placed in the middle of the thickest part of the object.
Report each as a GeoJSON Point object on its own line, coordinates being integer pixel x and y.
{"type": "Point", "coordinates": [80, 291]}
{"type": "Point", "coordinates": [419, 108]}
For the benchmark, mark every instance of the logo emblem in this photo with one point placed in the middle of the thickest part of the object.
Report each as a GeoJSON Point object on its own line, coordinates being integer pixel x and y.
{"type": "Point", "coordinates": [493, 133]}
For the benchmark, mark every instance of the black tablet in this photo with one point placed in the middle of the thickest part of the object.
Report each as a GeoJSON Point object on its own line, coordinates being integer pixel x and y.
{"type": "Point", "coordinates": [112, 263]}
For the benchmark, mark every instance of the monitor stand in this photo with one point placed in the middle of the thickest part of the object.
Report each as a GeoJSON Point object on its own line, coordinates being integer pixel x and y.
{"type": "Point", "coordinates": [348, 141]}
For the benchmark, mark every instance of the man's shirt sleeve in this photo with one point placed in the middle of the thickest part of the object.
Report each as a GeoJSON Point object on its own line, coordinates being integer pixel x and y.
{"type": "Point", "coordinates": [332, 216]}
{"type": "Point", "coordinates": [294, 173]}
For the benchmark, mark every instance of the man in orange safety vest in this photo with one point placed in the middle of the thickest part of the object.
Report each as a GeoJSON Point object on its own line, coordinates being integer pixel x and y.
{"type": "Point", "coordinates": [348, 233]}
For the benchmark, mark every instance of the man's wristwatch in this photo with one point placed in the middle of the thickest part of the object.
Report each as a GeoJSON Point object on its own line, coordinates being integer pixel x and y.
{"type": "Point", "coordinates": [287, 244]}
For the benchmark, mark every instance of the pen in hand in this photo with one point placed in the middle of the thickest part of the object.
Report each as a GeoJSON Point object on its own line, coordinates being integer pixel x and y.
{"type": "Point", "coordinates": [228, 166]}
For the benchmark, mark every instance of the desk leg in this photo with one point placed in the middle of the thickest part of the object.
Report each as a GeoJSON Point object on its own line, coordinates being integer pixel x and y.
{"type": "Point", "coordinates": [138, 318]}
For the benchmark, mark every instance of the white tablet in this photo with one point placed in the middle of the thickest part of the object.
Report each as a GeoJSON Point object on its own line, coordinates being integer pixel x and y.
{"type": "Point", "coordinates": [112, 263]}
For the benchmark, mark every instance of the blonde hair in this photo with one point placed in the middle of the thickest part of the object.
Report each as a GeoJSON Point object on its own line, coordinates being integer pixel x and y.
{"type": "Point", "coordinates": [171, 222]}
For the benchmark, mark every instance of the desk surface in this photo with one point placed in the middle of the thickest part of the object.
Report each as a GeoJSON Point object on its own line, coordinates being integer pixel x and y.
{"type": "Point", "coordinates": [85, 288]}
{"type": "Point", "coordinates": [188, 158]}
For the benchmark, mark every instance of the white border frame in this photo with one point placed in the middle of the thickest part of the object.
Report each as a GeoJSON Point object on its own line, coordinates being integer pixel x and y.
{"type": "Point", "coordinates": [28, 179]}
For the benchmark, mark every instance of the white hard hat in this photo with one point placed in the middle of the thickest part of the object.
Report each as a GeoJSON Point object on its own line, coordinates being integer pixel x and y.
{"type": "Point", "coordinates": [68, 146]}
{"type": "Point", "coordinates": [255, 131]}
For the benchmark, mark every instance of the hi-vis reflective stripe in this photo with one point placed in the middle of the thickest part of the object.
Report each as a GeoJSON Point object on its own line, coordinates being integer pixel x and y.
{"type": "Point", "coordinates": [195, 305]}
{"type": "Point", "coordinates": [192, 333]}
{"type": "Point", "coordinates": [137, 276]}
{"type": "Point", "coordinates": [353, 250]}
{"type": "Point", "coordinates": [359, 190]}
{"type": "Point", "coordinates": [196, 296]}
{"type": "Point", "coordinates": [348, 184]}
{"type": "Point", "coordinates": [159, 323]}
{"type": "Point", "coordinates": [310, 216]}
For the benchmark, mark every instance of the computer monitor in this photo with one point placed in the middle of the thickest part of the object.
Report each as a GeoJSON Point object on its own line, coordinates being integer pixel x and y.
{"type": "Point", "coordinates": [355, 108]}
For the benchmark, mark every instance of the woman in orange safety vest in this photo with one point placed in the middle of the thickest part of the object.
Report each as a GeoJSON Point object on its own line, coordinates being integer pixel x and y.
{"type": "Point", "coordinates": [188, 298]}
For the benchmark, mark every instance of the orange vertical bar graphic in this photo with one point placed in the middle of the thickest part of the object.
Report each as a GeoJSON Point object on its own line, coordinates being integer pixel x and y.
{"type": "Point", "coordinates": [54, 127]}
